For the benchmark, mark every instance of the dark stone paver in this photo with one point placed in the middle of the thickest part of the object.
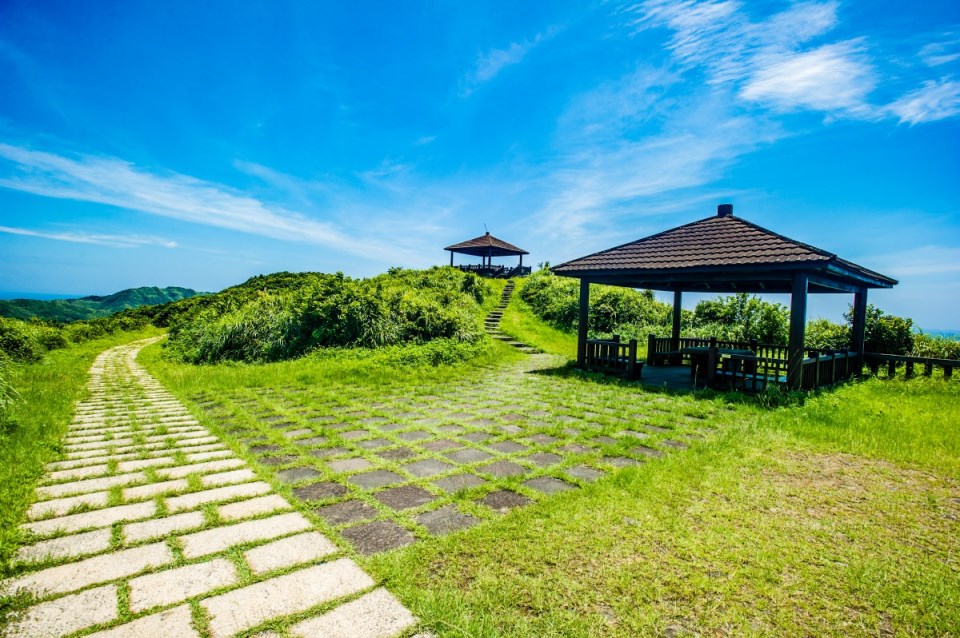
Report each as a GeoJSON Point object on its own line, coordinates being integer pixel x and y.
{"type": "Point", "coordinates": [349, 465]}
{"type": "Point", "coordinates": [503, 468]}
{"type": "Point", "coordinates": [372, 444]}
{"type": "Point", "coordinates": [451, 429]}
{"type": "Point", "coordinates": [314, 440]}
{"type": "Point", "coordinates": [468, 455]}
{"type": "Point", "coordinates": [414, 435]}
{"type": "Point", "coordinates": [643, 450]}
{"type": "Point", "coordinates": [507, 447]}
{"type": "Point", "coordinates": [544, 459]}
{"type": "Point", "coordinates": [634, 434]}
{"type": "Point", "coordinates": [297, 474]}
{"type": "Point", "coordinates": [458, 482]}
{"type": "Point", "coordinates": [319, 491]}
{"type": "Point", "coordinates": [373, 420]}
{"type": "Point", "coordinates": [676, 445]}
{"type": "Point", "coordinates": [574, 448]}
{"type": "Point", "coordinates": [282, 459]}
{"type": "Point", "coordinates": [404, 497]}
{"type": "Point", "coordinates": [397, 454]}
{"type": "Point", "coordinates": [354, 434]}
{"type": "Point", "coordinates": [620, 461]}
{"type": "Point", "coordinates": [377, 536]}
{"type": "Point", "coordinates": [441, 445]}
{"type": "Point", "coordinates": [542, 439]}
{"type": "Point", "coordinates": [482, 422]}
{"type": "Point", "coordinates": [427, 467]}
{"type": "Point", "coordinates": [512, 417]}
{"type": "Point", "coordinates": [583, 473]}
{"type": "Point", "coordinates": [375, 479]}
{"type": "Point", "coordinates": [477, 437]}
{"type": "Point", "coordinates": [257, 449]}
{"type": "Point", "coordinates": [323, 453]}
{"type": "Point", "coordinates": [605, 440]}
{"type": "Point", "coordinates": [511, 429]}
{"type": "Point", "coordinates": [446, 519]}
{"type": "Point", "coordinates": [655, 428]}
{"type": "Point", "coordinates": [548, 485]}
{"type": "Point", "coordinates": [504, 500]}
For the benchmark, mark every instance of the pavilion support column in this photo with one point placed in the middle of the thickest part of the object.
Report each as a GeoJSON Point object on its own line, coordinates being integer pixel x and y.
{"type": "Point", "coordinates": [451, 258]}
{"type": "Point", "coordinates": [859, 332]}
{"type": "Point", "coordinates": [798, 327]}
{"type": "Point", "coordinates": [582, 326]}
{"type": "Point", "coordinates": [675, 333]}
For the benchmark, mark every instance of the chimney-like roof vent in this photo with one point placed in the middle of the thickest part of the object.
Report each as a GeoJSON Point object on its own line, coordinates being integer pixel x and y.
{"type": "Point", "coordinates": [724, 210]}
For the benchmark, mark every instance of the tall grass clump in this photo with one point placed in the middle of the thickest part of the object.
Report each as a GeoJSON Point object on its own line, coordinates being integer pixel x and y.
{"type": "Point", "coordinates": [286, 315]}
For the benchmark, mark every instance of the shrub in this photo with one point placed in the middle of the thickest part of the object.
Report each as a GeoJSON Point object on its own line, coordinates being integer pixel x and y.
{"type": "Point", "coordinates": [925, 345]}
{"type": "Point", "coordinates": [824, 334]}
{"type": "Point", "coordinates": [20, 341]}
{"type": "Point", "coordinates": [886, 334]}
{"type": "Point", "coordinates": [744, 317]}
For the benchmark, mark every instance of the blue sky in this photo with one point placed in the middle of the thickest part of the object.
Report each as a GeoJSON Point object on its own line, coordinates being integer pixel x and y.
{"type": "Point", "coordinates": [198, 144]}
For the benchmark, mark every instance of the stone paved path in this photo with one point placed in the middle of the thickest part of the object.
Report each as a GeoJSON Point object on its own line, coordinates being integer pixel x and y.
{"type": "Point", "coordinates": [151, 526]}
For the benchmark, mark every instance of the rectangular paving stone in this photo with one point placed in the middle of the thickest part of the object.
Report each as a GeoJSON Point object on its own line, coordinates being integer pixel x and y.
{"type": "Point", "coordinates": [504, 500]}
{"type": "Point", "coordinates": [350, 511]}
{"type": "Point", "coordinates": [352, 435]}
{"type": "Point", "coordinates": [60, 506]}
{"type": "Point", "coordinates": [477, 437]}
{"type": "Point", "coordinates": [68, 614]}
{"type": "Point", "coordinates": [397, 454]}
{"type": "Point", "coordinates": [162, 527]}
{"type": "Point", "coordinates": [507, 447]}
{"type": "Point", "coordinates": [287, 552]}
{"type": "Point", "coordinates": [548, 485]}
{"type": "Point", "coordinates": [404, 497]}
{"type": "Point", "coordinates": [253, 507]}
{"type": "Point", "coordinates": [503, 468]}
{"type": "Point", "coordinates": [458, 482]}
{"type": "Point", "coordinates": [65, 546]}
{"type": "Point", "coordinates": [88, 485]}
{"type": "Point", "coordinates": [643, 450]}
{"type": "Point", "coordinates": [171, 623]}
{"type": "Point", "coordinates": [349, 465]}
{"type": "Point", "coordinates": [468, 455]}
{"type": "Point", "coordinates": [427, 467]}
{"type": "Point", "coordinates": [152, 489]}
{"type": "Point", "coordinates": [297, 474]}
{"type": "Point", "coordinates": [230, 492]}
{"type": "Point", "coordinates": [375, 479]}
{"type": "Point", "coordinates": [90, 571]}
{"type": "Point", "coordinates": [182, 471]}
{"type": "Point", "coordinates": [214, 540]}
{"type": "Point", "coordinates": [378, 536]}
{"type": "Point", "coordinates": [583, 472]}
{"type": "Point", "coordinates": [180, 583]}
{"type": "Point", "coordinates": [374, 615]}
{"type": "Point", "coordinates": [293, 434]}
{"type": "Point", "coordinates": [544, 459]}
{"type": "Point", "coordinates": [414, 435]}
{"type": "Point", "coordinates": [97, 518]}
{"type": "Point", "coordinates": [320, 491]}
{"type": "Point", "coordinates": [446, 519]}
{"type": "Point", "coordinates": [298, 591]}
{"type": "Point", "coordinates": [226, 478]}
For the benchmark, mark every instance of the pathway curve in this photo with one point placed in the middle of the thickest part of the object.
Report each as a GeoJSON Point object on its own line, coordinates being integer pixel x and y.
{"type": "Point", "coordinates": [151, 526]}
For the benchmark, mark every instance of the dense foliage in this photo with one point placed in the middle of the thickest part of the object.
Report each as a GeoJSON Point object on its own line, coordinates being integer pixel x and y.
{"type": "Point", "coordinates": [92, 307]}
{"type": "Point", "coordinates": [742, 317]}
{"type": "Point", "coordinates": [285, 315]}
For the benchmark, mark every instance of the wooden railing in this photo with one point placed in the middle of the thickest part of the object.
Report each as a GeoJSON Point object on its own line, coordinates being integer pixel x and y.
{"type": "Point", "coordinates": [612, 356]}
{"type": "Point", "coordinates": [496, 272]}
{"type": "Point", "coordinates": [875, 361]}
{"type": "Point", "coordinates": [661, 350]}
{"type": "Point", "coordinates": [826, 367]}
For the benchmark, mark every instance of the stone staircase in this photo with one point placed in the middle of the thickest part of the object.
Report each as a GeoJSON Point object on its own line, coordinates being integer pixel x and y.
{"type": "Point", "coordinates": [492, 323]}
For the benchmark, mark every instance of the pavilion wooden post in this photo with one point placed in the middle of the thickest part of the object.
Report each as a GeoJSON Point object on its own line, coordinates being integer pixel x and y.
{"type": "Point", "coordinates": [859, 332]}
{"type": "Point", "coordinates": [675, 333]}
{"type": "Point", "coordinates": [798, 327]}
{"type": "Point", "coordinates": [582, 326]}
{"type": "Point", "coordinates": [451, 258]}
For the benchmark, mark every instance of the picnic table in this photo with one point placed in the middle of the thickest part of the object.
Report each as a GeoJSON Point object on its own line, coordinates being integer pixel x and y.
{"type": "Point", "coordinates": [705, 358]}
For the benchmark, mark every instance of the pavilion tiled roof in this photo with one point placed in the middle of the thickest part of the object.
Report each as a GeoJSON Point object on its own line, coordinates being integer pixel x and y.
{"type": "Point", "coordinates": [483, 243]}
{"type": "Point", "coordinates": [720, 241]}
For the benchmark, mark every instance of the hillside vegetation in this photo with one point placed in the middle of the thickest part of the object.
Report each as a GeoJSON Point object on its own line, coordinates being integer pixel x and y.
{"type": "Point", "coordinates": [286, 315]}
{"type": "Point", "coordinates": [92, 307]}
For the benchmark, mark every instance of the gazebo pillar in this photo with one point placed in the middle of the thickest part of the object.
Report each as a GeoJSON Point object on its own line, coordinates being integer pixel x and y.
{"type": "Point", "coordinates": [582, 326]}
{"type": "Point", "coordinates": [859, 332]}
{"type": "Point", "coordinates": [798, 328]}
{"type": "Point", "coordinates": [675, 333]}
{"type": "Point", "coordinates": [451, 257]}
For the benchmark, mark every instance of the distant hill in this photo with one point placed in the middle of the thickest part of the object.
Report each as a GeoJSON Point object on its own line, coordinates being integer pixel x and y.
{"type": "Point", "coordinates": [66, 310]}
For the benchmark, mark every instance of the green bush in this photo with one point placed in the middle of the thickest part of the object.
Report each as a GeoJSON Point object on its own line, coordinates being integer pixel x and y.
{"type": "Point", "coordinates": [21, 340]}
{"type": "Point", "coordinates": [824, 334]}
{"type": "Point", "coordinates": [925, 345]}
{"type": "Point", "coordinates": [886, 334]}
{"type": "Point", "coordinates": [284, 316]}
{"type": "Point", "coordinates": [742, 317]}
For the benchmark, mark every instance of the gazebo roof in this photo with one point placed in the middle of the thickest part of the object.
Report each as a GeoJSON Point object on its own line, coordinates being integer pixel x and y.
{"type": "Point", "coordinates": [722, 253]}
{"type": "Point", "coordinates": [486, 245]}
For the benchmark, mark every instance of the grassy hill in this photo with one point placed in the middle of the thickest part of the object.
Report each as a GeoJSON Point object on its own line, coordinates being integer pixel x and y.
{"type": "Point", "coordinates": [93, 306]}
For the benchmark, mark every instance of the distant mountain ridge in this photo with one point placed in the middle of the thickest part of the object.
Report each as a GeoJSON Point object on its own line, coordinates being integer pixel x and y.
{"type": "Point", "coordinates": [93, 306]}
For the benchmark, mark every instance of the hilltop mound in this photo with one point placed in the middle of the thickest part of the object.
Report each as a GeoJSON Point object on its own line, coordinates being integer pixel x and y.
{"type": "Point", "coordinates": [92, 307]}
{"type": "Point", "coordinates": [285, 315]}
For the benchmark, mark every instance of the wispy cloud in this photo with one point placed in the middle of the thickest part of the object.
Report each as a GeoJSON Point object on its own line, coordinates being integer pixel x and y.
{"type": "Point", "coordinates": [491, 63]}
{"type": "Point", "coordinates": [79, 237]}
{"type": "Point", "coordinates": [112, 181]}
{"type": "Point", "coordinates": [944, 51]}
{"type": "Point", "coordinates": [931, 102]}
{"type": "Point", "coordinates": [831, 78]}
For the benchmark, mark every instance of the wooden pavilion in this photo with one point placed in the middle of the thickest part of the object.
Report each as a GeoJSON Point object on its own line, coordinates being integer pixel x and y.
{"type": "Point", "coordinates": [727, 254]}
{"type": "Point", "coordinates": [487, 247]}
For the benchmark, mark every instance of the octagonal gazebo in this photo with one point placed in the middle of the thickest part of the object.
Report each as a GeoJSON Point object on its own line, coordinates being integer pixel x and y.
{"type": "Point", "coordinates": [727, 254]}
{"type": "Point", "coordinates": [487, 247]}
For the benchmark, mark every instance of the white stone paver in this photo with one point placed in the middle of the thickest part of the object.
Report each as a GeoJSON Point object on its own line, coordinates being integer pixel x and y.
{"type": "Point", "coordinates": [288, 594]}
{"type": "Point", "coordinates": [172, 623]}
{"type": "Point", "coordinates": [287, 552]}
{"type": "Point", "coordinates": [374, 615]}
{"type": "Point", "coordinates": [66, 615]}
{"type": "Point", "coordinates": [99, 569]}
{"type": "Point", "coordinates": [132, 439]}
{"type": "Point", "coordinates": [253, 507]}
{"type": "Point", "coordinates": [220, 538]}
{"type": "Point", "coordinates": [174, 585]}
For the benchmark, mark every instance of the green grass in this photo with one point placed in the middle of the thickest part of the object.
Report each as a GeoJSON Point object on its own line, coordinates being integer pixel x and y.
{"type": "Point", "coordinates": [38, 421]}
{"type": "Point", "coordinates": [519, 322]}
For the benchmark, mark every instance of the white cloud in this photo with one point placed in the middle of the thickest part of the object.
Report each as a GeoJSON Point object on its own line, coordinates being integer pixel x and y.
{"type": "Point", "coordinates": [116, 241]}
{"type": "Point", "coordinates": [940, 53]}
{"type": "Point", "coordinates": [931, 102]}
{"type": "Point", "coordinates": [831, 78]}
{"type": "Point", "coordinates": [111, 181]}
{"type": "Point", "coordinates": [492, 62]}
